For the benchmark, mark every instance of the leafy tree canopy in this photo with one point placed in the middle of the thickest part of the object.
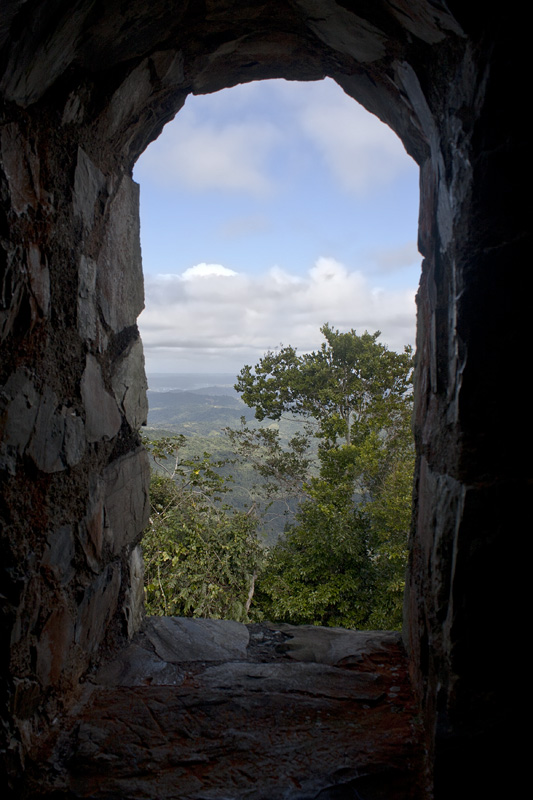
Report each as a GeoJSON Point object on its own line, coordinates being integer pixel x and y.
{"type": "Point", "coordinates": [201, 555]}
{"type": "Point", "coordinates": [351, 383]}
{"type": "Point", "coordinates": [343, 561]}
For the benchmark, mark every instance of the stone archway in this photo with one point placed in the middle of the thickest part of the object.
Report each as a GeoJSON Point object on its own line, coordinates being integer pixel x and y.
{"type": "Point", "coordinates": [85, 88]}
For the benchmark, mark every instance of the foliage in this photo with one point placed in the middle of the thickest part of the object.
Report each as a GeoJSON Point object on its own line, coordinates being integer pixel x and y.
{"type": "Point", "coordinates": [201, 555]}
{"type": "Point", "coordinates": [343, 561]}
{"type": "Point", "coordinates": [389, 515]}
{"type": "Point", "coordinates": [346, 473]}
{"type": "Point", "coordinates": [350, 384]}
{"type": "Point", "coordinates": [238, 464]}
{"type": "Point", "coordinates": [320, 571]}
{"type": "Point", "coordinates": [282, 467]}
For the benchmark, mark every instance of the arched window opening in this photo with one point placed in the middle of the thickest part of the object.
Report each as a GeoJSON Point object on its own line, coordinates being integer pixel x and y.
{"type": "Point", "coordinates": [82, 95]}
{"type": "Point", "coordinates": [267, 211]}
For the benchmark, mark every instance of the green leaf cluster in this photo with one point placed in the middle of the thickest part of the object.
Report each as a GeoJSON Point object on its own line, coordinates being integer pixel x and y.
{"type": "Point", "coordinates": [351, 384]}
{"type": "Point", "coordinates": [201, 555]}
{"type": "Point", "coordinates": [343, 561]}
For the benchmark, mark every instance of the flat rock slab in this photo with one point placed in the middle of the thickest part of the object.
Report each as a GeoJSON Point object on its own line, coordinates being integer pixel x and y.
{"type": "Point", "coordinates": [258, 712]}
{"type": "Point", "coordinates": [182, 639]}
{"type": "Point", "coordinates": [335, 646]}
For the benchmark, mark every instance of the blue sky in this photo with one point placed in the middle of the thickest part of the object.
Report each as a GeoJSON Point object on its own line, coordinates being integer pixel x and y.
{"type": "Point", "coordinates": [267, 210]}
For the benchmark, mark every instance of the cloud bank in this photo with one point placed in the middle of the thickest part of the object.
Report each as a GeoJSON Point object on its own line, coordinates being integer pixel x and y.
{"type": "Point", "coordinates": [211, 318]}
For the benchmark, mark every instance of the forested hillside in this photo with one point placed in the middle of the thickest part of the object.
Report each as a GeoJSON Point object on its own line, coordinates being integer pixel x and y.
{"type": "Point", "coordinates": [203, 411]}
{"type": "Point", "coordinates": [202, 415]}
{"type": "Point", "coordinates": [298, 514]}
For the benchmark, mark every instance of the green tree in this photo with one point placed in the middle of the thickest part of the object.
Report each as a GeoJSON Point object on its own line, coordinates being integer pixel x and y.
{"type": "Point", "coordinates": [281, 467]}
{"type": "Point", "coordinates": [352, 383]}
{"type": "Point", "coordinates": [201, 555]}
{"type": "Point", "coordinates": [321, 572]}
{"type": "Point", "coordinates": [343, 561]}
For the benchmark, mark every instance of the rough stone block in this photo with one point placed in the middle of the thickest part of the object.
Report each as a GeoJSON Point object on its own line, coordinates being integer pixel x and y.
{"type": "Point", "coordinates": [179, 639]}
{"type": "Point", "coordinates": [126, 499]}
{"type": "Point", "coordinates": [134, 600]}
{"type": "Point", "coordinates": [119, 280]}
{"type": "Point", "coordinates": [49, 431]}
{"type": "Point", "coordinates": [53, 644]}
{"type": "Point", "coordinates": [52, 435]}
{"type": "Point", "coordinates": [12, 291]}
{"type": "Point", "coordinates": [22, 169]}
{"type": "Point", "coordinates": [59, 553]}
{"type": "Point", "coordinates": [131, 96]}
{"type": "Point", "coordinates": [28, 610]}
{"type": "Point", "coordinates": [255, 726]}
{"type": "Point", "coordinates": [129, 385]}
{"type": "Point", "coordinates": [74, 439]}
{"type": "Point", "coordinates": [27, 697]}
{"type": "Point", "coordinates": [91, 527]}
{"type": "Point", "coordinates": [103, 418]}
{"type": "Point", "coordinates": [89, 181]}
{"type": "Point", "coordinates": [96, 609]}
{"type": "Point", "coordinates": [19, 403]}
{"type": "Point", "coordinates": [138, 666]}
{"type": "Point", "coordinates": [39, 276]}
{"type": "Point", "coordinates": [334, 646]}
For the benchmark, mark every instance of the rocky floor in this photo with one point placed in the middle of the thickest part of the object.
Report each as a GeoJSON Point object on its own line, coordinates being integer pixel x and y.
{"type": "Point", "coordinates": [216, 710]}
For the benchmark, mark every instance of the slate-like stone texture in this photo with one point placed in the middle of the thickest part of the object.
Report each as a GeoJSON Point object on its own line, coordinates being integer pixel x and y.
{"type": "Point", "coordinates": [103, 418]}
{"type": "Point", "coordinates": [130, 385]}
{"type": "Point", "coordinates": [97, 608]}
{"type": "Point", "coordinates": [238, 717]}
{"type": "Point", "coordinates": [181, 639]}
{"type": "Point", "coordinates": [126, 503]}
{"type": "Point", "coordinates": [119, 281]}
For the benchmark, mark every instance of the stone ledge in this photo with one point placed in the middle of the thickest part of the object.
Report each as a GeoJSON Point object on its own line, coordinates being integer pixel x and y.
{"type": "Point", "coordinates": [197, 709]}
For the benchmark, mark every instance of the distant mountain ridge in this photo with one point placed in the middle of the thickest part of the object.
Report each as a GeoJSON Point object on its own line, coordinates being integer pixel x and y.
{"type": "Point", "coordinates": [199, 404]}
{"type": "Point", "coordinates": [203, 404]}
{"type": "Point", "coordinates": [190, 381]}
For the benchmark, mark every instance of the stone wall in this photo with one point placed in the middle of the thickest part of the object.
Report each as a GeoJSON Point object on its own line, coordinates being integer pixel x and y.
{"type": "Point", "coordinates": [85, 87]}
{"type": "Point", "coordinates": [74, 476]}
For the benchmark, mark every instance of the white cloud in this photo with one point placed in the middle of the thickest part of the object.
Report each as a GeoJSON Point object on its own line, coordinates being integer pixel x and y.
{"type": "Point", "coordinates": [228, 141]}
{"type": "Point", "coordinates": [222, 320]}
{"type": "Point", "coordinates": [210, 317]}
{"type": "Point", "coordinates": [205, 154]}
{"type": "Point", "coordinates": [361, 152]}
{"type": "Point", "coordinates": [204, 270]}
